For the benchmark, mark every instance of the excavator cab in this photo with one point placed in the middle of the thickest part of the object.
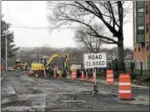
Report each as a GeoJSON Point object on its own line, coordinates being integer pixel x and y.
{"type": "Point", "coordinates": [42, 61]}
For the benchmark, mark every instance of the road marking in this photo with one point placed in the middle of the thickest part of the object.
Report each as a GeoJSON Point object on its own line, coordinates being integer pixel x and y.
{"type": "Point", "coordinates": [73, 101]}
{"type": "Point", "coordinates": [16, 108]}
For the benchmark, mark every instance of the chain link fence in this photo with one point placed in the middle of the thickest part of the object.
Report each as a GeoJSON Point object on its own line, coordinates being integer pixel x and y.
{"type": "Point", "coordinates": [131, 66]}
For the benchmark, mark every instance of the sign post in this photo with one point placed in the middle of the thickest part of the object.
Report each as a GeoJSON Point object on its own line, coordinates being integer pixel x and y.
{"type": "Point", "coordinates": [95, 86]}
{"type": "Point", "coordinates": [95, 60]}
{"type": "Point", "coordinates": [95, 76]}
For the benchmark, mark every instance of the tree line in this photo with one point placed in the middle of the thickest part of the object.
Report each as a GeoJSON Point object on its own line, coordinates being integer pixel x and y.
{"type": "Point", "coordinates": [76, 54]}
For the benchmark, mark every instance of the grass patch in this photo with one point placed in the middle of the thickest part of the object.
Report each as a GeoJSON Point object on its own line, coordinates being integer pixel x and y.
{"type": "Point", "coordinates": [138, 72]}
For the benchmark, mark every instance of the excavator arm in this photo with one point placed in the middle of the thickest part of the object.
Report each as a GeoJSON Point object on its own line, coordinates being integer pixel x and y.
{"type": "Point", "coordinates": [66, 61]}
{"type": "Point", "coordinates": [57, 55]}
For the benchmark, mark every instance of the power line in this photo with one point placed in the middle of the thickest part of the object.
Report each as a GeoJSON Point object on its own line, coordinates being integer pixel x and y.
{"type": "Point", "coordinates": [27, 27]}
{"type": "Point", "coordinates": [30, 27]}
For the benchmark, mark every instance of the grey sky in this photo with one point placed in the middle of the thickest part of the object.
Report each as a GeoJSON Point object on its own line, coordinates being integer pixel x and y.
{"type": "Point", "coordinates": [34, 14]}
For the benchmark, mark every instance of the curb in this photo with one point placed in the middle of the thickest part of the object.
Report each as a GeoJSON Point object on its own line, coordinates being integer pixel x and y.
{"type": "Point", "coordinates": [133, 85]}
{"type": "Point", "coordinates": [115, 83]}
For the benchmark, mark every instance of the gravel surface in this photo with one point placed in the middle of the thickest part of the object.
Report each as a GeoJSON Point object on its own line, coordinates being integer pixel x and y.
{"type": "Point", "coordinates": [21, 93]}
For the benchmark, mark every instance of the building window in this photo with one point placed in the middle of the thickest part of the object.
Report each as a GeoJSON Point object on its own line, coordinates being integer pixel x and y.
{"type": "Point", "coordinates": [146, 9]}
{"type": "Point", "coordinates": [139, 49]}
{"type": "Point", "coordinates": [140, 9]}
{"type": "Point", "coordinates": [140, 12]}
{"type": "Point", "coordinates": [140, 3]}
{"type": "Point", "coordinates": [140, 29]}
{"type": "Point", "coordinates": [146, 27]}
{"type": "Point", "coordinates": [147, 42]}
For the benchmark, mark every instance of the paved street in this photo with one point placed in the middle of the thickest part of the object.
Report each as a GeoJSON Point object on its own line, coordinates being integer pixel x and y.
{"type": "Point", "coordinates": [21, 93]}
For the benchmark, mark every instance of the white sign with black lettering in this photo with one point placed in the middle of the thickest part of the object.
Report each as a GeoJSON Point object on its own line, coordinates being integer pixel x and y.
{"type": "Point", "coordinates": [93, 60]}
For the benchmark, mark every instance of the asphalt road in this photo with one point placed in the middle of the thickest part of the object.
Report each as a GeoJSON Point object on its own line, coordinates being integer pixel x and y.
{"type": "Point", "coordinates": [21, 93]}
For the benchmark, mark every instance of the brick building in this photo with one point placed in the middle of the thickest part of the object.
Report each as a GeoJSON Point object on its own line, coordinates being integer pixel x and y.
{"type": "Point", "coordinates": [141, 31]}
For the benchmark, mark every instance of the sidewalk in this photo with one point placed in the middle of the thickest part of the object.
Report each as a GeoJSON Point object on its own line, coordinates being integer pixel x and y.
{"type": "Point", "coordinates": [115, 83]}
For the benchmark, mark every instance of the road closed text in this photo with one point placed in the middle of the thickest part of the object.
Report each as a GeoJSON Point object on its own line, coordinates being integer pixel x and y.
{"type": "Point", "coordinates": [95, 60]}
{"type": "Point", "coordinates": [95, 63]}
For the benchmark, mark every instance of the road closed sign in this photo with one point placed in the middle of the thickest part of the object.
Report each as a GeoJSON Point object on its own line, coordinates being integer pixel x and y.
{"type": "Point", "coordinates": [95, 60]}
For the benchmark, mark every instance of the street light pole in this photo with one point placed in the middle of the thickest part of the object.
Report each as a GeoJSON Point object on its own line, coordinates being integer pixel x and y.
{"type": "Point", "coordinates": [6, 52]}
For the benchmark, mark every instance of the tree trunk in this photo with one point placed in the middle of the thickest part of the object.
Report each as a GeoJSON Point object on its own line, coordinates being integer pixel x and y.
{"type": "Point", "coordinates": [121, 67]}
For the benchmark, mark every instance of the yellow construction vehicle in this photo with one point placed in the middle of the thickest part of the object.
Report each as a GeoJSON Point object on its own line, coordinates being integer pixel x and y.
{"type": "Point", "coordinates": [19, 65]}
{"type": "Point", "coordinates": [57, 55]}
{"type": "Point", "coordinates": [48, 64]}
{"type": "Point", "coordinates": [61, 67]}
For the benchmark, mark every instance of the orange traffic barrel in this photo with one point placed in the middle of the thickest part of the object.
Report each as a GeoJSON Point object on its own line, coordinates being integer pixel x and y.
{"type": "Point", "coordinates": [125, 86]}
{"type": "Point", "coordinates": [74, 74]}
{"type": "Point", "coordinates": [110, 77]}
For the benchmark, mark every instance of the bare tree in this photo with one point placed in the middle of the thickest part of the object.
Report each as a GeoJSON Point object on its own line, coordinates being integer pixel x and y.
{"type": "Point", "coordinates": [128, 53]}
{"type": "Point", "coordinates": [110, 13]}
{"type": "Point", "coordinates": [83, 38]}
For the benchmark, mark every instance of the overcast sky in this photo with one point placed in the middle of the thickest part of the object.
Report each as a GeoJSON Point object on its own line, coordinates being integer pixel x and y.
{"type": "Point", "coordinates": [34, 14]}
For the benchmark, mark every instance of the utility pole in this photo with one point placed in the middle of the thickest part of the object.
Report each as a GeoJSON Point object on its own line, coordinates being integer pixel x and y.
{"type": "Point", "coordinates": [6, 52]}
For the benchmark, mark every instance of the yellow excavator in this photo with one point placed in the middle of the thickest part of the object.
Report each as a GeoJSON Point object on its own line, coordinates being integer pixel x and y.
{"type": "Point", "coordinates": [48, 64]}
{"type": "Point", "coordinates": [57, 55]}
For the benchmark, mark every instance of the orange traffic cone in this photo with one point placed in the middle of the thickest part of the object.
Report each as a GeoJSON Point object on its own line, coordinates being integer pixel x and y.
{"type": "Point", "coordinates": [86, 77]}
{"type": "Point", "coordinates": [30, 73]}
{"type": "Point", "coordinates": [82, 76]}
{"type": "Point", "coordinates": [94, 77]}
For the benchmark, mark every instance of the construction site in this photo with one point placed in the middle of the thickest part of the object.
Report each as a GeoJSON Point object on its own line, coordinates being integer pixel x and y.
{"type": "Point", "coordinates": [51, 86]}
{"type": "Point", "coordinates": [75, 56]}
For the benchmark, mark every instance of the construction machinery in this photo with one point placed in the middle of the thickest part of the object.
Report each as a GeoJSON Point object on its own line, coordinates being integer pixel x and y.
{"type": "Point", "coordinates": [19, 65]}
{"type": "Point", "coordinates": [57, 60]}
